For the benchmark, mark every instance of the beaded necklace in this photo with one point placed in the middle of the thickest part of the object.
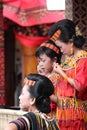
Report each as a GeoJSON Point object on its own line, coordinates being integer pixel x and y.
{"type": "Point", "coordinates": [70, 62]}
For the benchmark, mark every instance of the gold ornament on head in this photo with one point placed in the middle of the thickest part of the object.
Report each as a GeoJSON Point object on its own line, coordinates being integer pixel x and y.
{"type": "Point", "coordinates": [78, 32]}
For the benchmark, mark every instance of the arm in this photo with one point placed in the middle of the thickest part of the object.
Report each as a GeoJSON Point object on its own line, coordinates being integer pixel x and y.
{"type": "Point", "coordinates": [59, 70]}
{"type": "Point", "coordinates": [11, 126]}
{"type": "Point", "coordinates": [19, 124]}
{"type": "Point", "coordinates": [53, 98]}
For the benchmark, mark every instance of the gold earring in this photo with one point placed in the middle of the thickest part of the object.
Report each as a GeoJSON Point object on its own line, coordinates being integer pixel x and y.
{"type": "Point", "coordinates": [71, 51]}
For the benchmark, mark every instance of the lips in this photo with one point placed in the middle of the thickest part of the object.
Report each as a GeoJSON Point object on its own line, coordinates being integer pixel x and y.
{"type": "Point", "coordinates": [42, 70]}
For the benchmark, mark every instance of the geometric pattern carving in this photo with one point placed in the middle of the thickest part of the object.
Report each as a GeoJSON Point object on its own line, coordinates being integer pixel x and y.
{"type": "Point", "coordinates": [80, 16]}
{"type": "Point", "coordinates": [77, 11]}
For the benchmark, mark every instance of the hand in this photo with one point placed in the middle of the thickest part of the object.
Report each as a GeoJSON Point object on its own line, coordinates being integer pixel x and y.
{"type": "Point", "coordinates": [41, 70]}
{"type": "Point", "coordinates": [57, 68]}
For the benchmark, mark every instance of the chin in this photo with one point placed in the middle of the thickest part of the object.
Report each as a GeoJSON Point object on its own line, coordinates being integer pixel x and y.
{"type": "Point", "coordinates": [24, 108]}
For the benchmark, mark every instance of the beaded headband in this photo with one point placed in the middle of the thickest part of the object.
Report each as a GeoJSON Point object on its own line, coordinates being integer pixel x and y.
{"type": "Point", "coordinates": [29, 82]}
{"type": "Point", "coordinates": [56, 35]}
{"type": "Point", "coordinates": [52, 47]}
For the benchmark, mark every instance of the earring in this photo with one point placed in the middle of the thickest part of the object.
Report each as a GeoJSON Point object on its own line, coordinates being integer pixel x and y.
{"type": "Point", "coordinates": [71, 51]}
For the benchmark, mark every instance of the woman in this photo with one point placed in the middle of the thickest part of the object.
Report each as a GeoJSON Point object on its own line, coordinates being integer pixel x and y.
{"type": "Point", "coordinates": [48, 54]}
{"type": "Point", "coordinates": [72, 84]}
{"type": "Point", "coordinates": [35, 97]}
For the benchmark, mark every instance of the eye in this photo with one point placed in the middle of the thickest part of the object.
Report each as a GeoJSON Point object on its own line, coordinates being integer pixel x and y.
{"type": "Point", "coordinates": [43, 60]}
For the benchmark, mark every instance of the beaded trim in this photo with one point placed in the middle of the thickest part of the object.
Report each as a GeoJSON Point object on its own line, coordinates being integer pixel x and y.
{"type": "Point", "coordinates": [52, 47]}
{"type": "Point", "coordinates": [56, 35]}
{"type": "Point", "coordinates": [29, 82]}
{"type": "Point", "coordinates": [71, 62]}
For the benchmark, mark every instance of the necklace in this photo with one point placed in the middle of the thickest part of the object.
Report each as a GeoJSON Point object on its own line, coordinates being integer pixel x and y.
{"type": "Point", "coordinates": [70, 62]}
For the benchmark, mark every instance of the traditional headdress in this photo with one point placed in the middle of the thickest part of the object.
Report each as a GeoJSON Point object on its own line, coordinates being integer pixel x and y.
{"type": "Point", "coordinates": [52, 47]}
{"type": "Point", "coordinates": [29, 82]}
{"type": "Point", "coordinates": [56, 35]}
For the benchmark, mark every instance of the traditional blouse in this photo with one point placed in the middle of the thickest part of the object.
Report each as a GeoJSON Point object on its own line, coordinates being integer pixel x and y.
{"type": "Point", "coordinates": [75, 68]}
{"type": "Point", "coordinates": [72, 102]}
{"type": "Point", "coordinates": [32, 121]}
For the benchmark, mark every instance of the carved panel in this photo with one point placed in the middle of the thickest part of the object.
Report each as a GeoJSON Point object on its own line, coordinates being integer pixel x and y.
{"type": "Point", "coordinates": [80, 16]}
{"type": "Point", "coordinates": [77, 10]}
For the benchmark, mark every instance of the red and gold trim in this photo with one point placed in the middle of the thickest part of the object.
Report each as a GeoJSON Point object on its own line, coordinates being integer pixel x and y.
{"type": "Point", "coordinates": [56, 35]}
{"type": "Point", "coordinates": [29, 82]}
{"type": "Point", "coordinates": [52, 47]}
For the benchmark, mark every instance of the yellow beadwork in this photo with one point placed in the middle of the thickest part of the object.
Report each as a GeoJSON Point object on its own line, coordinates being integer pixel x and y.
{"type": "Point", "coordinates": [71, 62]}
{"type": "Point", "coordinates": [66, 77]}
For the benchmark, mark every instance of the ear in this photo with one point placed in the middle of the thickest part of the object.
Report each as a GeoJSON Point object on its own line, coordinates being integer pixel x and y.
{"type": "Point", "coordinates": [71, 42]}
{"type": "Point", "coordinates": [55, 59]}
{"type": "Point", "coordinates": [32, 101]}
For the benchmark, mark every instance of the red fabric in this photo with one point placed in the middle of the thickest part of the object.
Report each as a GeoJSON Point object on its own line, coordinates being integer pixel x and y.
{"type": "Point", "coordinates": [66, 90]}
{"type": "Point", "coordinates": [73, 117]}
{"type": "Point", "coordinates": [28, 13]}
{"type": "Point", "coordinates": [30, 41]}
{"type": "Point", "coordinates": [2, 76]}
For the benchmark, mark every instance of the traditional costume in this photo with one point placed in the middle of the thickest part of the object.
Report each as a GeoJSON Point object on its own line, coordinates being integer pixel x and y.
{"type": "Point", "coordinates": [72, 102]}
{"type": "Point", "coordinates": [32, 121]}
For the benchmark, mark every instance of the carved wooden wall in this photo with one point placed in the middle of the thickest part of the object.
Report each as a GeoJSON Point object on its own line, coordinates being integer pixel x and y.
{"type": "Point", "coordinates": [77, 11]}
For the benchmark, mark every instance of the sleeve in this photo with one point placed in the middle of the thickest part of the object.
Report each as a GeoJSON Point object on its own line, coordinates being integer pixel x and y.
{"type": "Point", "coordinates": [22, 123]}
{"type": "Point", "coordinates": [81, 75]}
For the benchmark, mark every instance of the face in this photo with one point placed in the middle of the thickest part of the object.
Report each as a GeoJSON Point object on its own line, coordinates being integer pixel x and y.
{"type": "Point", "coordinates": [25, 99]}
{"type": "Point", "coordinates": [65, 47]}
{"type": "Point", "coordinates": [45, 65]}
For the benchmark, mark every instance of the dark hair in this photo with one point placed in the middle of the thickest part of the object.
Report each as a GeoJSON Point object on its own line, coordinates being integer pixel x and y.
{"type": "Point", "coordinates": [41, 90]}
{"type": "Point", "coordinates": [49, 52]}
{"type": "Point", "coordinates": [68, 32]}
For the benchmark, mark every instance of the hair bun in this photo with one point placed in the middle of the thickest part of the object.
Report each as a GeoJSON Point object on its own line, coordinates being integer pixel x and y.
{"type": "Point", "coordinates": [78, 41]}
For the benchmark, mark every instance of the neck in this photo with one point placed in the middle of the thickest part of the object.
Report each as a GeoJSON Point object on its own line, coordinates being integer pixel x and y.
{"type": "Point", "coordinates": [33, 109]}
{"type": "Point", "coordinates": [77, 51]}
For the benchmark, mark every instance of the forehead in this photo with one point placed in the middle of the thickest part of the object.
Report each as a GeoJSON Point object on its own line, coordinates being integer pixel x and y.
{"type": "Point", "coordinates": [25, 88]}
{"type": "Point", "coordinates": [59, 43]}
{"type": "Point", "coordinates": [43, 56]}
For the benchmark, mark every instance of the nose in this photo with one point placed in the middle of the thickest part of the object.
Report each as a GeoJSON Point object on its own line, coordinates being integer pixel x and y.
{"type": "Point", "coordinates": [20, 97]}
{"type": "Point", "coordinates": [40, 63]}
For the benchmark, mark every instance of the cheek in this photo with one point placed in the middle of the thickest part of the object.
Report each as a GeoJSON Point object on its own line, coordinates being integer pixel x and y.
{"type": "Point", "coordinates": [24, 98]}
{"type": "Point", "coordinates": [24, 102]}
{"type": "Point", "coordinates": [64, 48]}
{"type": "Point", "coordinates": [48, 65]}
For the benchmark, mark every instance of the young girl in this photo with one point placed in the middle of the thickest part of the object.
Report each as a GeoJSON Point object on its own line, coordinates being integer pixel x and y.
{"type": "Point", "coordinates": [48, 54]}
